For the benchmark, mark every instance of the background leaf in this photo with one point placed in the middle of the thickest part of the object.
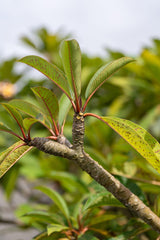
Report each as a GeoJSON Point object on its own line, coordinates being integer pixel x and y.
{"type": "Point", "coordinates": [56, 198]}
{"type": "Point", "coordinates": [56, 228]}
{"type": "Point", "coordinates": [71, 58]}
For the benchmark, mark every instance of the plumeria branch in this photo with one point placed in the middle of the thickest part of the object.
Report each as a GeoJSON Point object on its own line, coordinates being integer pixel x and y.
{"type": "Point", "coordinates": [76, 153]}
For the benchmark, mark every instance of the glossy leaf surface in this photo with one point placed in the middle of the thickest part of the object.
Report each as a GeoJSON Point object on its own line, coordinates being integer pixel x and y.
{"type": "Point", "coordinates": [71, 58]}
{"type": "Point", "coordinates": [49, 70]}
{"type": "Point", "coordinates": [138, 138]}
{"type": "Point", "coordinates": [104, 73]}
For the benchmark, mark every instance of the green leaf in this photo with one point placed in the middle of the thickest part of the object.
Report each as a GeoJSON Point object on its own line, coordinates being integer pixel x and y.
{"type": "Point", "coordinates": [64, 107]}
{"type": "Point", "coordinates": [104, 73]}
{"type": "Point", "coordinates": [56, 228]}
{"type": "Point", "coordinates": [102, 218]}
{"type": "Point", "coordinates": [101, 199]}
{"type": "Point", "coordinates": [138, 138]}
{"type": "Point", "coordinates": [28, 122]}
{"type": "Point", "coordinates": [14, 113]}
{"type": "Point", "coordinates": [49, 70]}
{"type": "Point", "coordinates": [53, 236]}
{"type": "Point", "coordinates": [56, 198]}
{"type": "Point", "coordinates": [87, 236]}
{"type": "Point", "coordinates": [40, 216]}
{"type": "Point", "coordinates": [11, 155]}
{"type": "Point", "coordinates": [70, 181]}
{"type": "Point", "coordinates": [5, 128]}
{"type": "Point", "coordinates": [71, 58]}
{"type": "Point", "coordinates": [48, 101]}
{"type": "Point", "coordinates": [25, 107]}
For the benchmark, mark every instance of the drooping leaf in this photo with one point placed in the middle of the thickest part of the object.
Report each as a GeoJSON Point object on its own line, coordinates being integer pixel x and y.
{"type": "Point", "coordinates": [11, 155]}
{"type": "Point", "coordinates": [56, 198]}
{"type": "Point", "coordinates": [49, 70]}
{"type": "Point", "coordinates": [25, 107]}
{"type": "Point", "coordinates": [138, 138]}
{"type": "Point", "coordinates": [69, 181]}
{"type": "Point", "coordinates": [48, 101]}
{"type": "Point", "coordinates": [102, 218]}
{"type": "Point", "coordinates": [14, 113]}
{"type": "Point", "coordinates": [40, 216]}
{"type": "Point", "coordinates": [64, 107]}
{"type": "Point", "coordinates": [71, 58]}
{"type": "Point", "coordinates": [56, 228]}
{"type": "Point", "coordinates": [104, 73]}
{"type": "Point", "coordinates": [101, 199]}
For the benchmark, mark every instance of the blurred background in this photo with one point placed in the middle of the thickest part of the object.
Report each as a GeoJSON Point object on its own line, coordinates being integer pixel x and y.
{"type": "Point", "coordinates": [122, 25]}
{"type": "Point", "coordinates": [106, 30]}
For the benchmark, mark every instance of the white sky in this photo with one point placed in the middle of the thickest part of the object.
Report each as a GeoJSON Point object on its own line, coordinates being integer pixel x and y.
{"type": "Point", "coordinates": [125, 25]}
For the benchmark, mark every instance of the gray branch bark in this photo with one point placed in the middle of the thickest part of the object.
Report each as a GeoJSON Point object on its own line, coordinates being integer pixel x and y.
{"type": "Point", "coordinates": [103, 177]}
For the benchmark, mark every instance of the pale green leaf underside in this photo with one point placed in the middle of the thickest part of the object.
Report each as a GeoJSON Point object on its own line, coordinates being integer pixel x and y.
{"type": "Point", "coordinates": [138, 138]}
{"type": "Point", "coordinates": [48, 101]}
{"type": "Point", "coordinates": [9, 157]}
{"type": "Point", "coordinates": [28, 122]}
{"type": "Point", "coordinates": [71, 58]}
{"type": "Point", "coordinates": [104, 73]}
{"type": "Point", "coordinates": [25, 107]}
{"type": "Point", "coordinates": [49, 70]}
{"type": "Point", "coordinates": [56, 228]}
{"type": "Point", "coordinates": [64, 107]}
{"type": "Point", "coordinates": [56, 198]}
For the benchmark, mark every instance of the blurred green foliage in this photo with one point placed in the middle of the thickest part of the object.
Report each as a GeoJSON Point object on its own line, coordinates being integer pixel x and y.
{"type": "Point", "coordinates": [132, 93]}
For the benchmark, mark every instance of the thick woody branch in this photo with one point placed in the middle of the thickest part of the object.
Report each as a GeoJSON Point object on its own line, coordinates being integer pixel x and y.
{"type": "Point", "coordinates": [86, 163]}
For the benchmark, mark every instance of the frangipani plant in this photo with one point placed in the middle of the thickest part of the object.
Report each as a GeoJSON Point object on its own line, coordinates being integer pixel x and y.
{"type": "Point", "coordinates": [51, 113]}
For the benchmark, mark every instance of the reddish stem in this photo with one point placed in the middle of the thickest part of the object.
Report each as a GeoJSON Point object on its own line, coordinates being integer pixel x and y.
{"type": "Point", "coordinates": [92, 115]}
{"type": "Point", "coordinates": [52, 138]}
{"type": "Point", "coordinates": [13, 133]}
{"type": "Point", "coordinates": [55, 128]}
{"type": "Point", "coordinates": [73, 105]}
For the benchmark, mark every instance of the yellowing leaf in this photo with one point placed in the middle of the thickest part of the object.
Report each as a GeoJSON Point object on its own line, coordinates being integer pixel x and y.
{"type": "Point", "coordinates": [138, 138]}
{"type": "Point", "coordinates": [11, 155]}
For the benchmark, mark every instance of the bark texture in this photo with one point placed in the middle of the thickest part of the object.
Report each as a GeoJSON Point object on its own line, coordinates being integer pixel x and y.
{"type": "Point", "coordinates": [86, 163]}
